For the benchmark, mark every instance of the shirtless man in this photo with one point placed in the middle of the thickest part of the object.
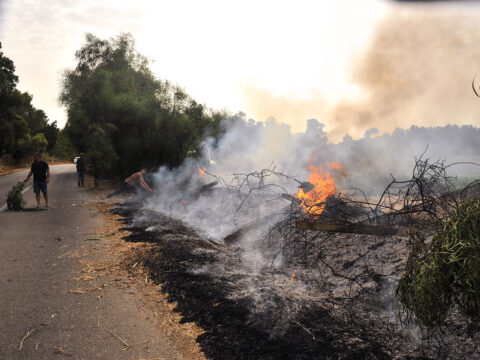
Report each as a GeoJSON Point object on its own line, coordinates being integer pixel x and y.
{"type": "Point", "coordinates": [132, 183]}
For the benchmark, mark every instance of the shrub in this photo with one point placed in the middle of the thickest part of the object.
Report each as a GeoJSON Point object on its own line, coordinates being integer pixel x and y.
{"type": "Point", "coordinates": [445, 274]}
{"type": "Point", "coordinates": [15, 199]}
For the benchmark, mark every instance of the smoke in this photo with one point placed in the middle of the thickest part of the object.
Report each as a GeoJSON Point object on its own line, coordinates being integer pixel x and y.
{"type": "Point", "coordinates": [244, 148]}
{"type": "Point", "coordinates": [417, 70]}
{"type": "Point", "coordinates": [287, 109]}
{"type": "Point", "coordinates": [239, 179]}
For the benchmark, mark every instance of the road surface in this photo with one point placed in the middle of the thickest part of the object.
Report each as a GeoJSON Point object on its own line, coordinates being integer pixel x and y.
{"type": "Point", "coordinates": [38, 264]}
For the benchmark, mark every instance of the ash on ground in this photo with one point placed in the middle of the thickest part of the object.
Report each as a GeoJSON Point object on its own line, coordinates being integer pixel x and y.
{"type": "Point", "coordinates": [335, 302]}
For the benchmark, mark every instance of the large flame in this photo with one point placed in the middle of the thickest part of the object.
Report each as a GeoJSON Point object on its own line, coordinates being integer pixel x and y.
{"type": "Point", "coordinates": [313, 201]}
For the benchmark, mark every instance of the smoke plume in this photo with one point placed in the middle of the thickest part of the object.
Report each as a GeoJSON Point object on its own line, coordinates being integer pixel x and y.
{"type": "Point", "coordinates": [417, 70]}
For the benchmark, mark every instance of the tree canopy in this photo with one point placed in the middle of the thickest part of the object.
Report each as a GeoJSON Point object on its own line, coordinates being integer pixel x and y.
{"type": "Point", "coordinates": [122, 116]}
{"type": "Point", "coordinates": [23, 128]}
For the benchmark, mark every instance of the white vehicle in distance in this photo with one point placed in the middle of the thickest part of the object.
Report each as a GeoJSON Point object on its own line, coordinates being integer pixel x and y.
{"type": "Point", "coordinates": [76, 158]}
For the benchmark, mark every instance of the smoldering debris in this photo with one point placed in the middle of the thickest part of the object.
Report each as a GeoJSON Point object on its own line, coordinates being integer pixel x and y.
{"type": "Point", "coordinates": [272, 288]}
{"type": "Point", "coordinates": [340, 303]}
{"type": "Point", "coordinates": [220, 300]}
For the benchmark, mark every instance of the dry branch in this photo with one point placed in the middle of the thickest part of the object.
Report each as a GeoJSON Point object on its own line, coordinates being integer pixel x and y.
{"type": "Point", "coordinates": [29, 332]}
{"type": "Point", "coordinates": [119, 338]}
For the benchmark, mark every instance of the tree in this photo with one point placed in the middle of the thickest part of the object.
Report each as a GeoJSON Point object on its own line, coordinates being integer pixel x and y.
{"type": "Point", "coordinates": [51, 133]}
{"type": "Point", "coordinates": [22, 126]}
{"type": "Point", "coordinates": [116, 107]}
{"type": "Point", "coordinates": [8, 79]}
{"type": "Point", "coordinates": [63, 147]}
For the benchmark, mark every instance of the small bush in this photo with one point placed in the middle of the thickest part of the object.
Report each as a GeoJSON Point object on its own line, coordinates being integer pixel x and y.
{"type": "Point", "coordinates": [445, 274]}
{"type": "Point", "coordinates": [15, 199]}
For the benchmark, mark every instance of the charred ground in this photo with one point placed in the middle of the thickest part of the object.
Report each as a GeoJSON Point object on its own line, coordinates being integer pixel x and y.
{"type": "Point", "coordinates": [340, 307]}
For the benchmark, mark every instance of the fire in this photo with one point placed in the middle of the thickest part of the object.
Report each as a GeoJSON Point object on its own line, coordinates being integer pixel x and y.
{"type": "Point", "coordinates": [338, 167]}
{"type": "Point", "coordinates": [313, 201]}
{"type": "Point", "coordinates": [201, 172]}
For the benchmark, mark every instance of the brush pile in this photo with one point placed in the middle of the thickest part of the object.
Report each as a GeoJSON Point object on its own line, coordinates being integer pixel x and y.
{"type": "Point", "coordinates": [444, 275]}
{"type": "Point", "coordinates": [15, 201]}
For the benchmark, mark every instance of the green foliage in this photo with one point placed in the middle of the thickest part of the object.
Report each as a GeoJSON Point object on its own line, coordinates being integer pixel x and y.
{"type": "Point", "coordinates": [20, 122]}
{"type": "Point", "coordinates": [39, 143]}
{"type": "Point", "coordinates": [15, 201]}
{"type": "Point", "coordinates": [101, 155]}
{"type": "Point", "coordinates": [143, 121]}
{"type": "Point", "coordinates": [8, 79]}
{"type": "Point", "coordinates": [445, 274]}
{"type": "Point", "coordinates": [27, 145]}
{"type": "Point", "coordinates": [63, 147]}
{"type": "Point", "coordinates": [51, 133]}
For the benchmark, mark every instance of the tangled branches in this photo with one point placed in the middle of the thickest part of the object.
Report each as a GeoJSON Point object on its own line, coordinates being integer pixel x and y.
{"type": "Point", "coordinates": [429, 197]}
{"type": "Point", "coordinates": [422, 202]}
{"type": "Point", "coordinates": [440, 275]}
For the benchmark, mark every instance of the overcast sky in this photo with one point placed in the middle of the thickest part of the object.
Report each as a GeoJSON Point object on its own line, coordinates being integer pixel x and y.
{"type": "Point", "coordinates": [222, 52]}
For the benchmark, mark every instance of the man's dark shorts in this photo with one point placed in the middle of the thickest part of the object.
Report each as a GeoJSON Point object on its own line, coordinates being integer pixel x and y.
{"type": "Point", "coordinates": [40, 186]}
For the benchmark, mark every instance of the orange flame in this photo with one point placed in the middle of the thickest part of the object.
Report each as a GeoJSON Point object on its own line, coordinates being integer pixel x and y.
{"type": "Point", "coordinates": [313, 201]}
{"type": "Point", "coordinates": [201, 172]}
{"type": "Point", "coordinates": [338, 167]}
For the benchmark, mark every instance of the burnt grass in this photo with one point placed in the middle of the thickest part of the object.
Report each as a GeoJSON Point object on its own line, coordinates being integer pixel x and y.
{"type": "Point", "coordinates": [186, 265]}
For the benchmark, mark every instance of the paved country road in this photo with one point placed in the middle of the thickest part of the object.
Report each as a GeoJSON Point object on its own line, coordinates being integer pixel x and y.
{"type": "Point", "coordinates": [37, 278]}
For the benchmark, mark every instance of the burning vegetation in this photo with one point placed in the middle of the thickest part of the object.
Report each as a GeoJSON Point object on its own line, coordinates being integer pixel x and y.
{"type": "Point", "coordinates": [320, 185]}
{"type": "Point", "coordinates": [276, 266]}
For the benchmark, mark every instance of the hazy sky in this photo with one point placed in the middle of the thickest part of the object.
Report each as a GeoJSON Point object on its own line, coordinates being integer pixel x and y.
{"type": "Point", "coordinates": [214, 49]}
{"type": "Point", "coordinates": [226, 54]}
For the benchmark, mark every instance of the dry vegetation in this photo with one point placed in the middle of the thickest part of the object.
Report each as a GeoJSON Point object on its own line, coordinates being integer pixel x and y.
{"type": "Point", "coordinates": [119, 265]}
{"type": "Point", "coordinates": [115, 263]}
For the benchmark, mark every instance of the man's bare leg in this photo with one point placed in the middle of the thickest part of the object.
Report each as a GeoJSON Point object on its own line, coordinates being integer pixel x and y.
{"type": "Point", "coordinates": [46, 200]}
{"type": "Point", "coordinates": [38, 199]}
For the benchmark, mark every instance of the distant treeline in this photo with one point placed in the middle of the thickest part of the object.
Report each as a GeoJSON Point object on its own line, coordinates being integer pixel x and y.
{"type": "Point", "coordinates": [23, 128]}
{"type": "Point", "coordinates": [122, 117]}
{"type": "Point", "coordinates": [372, 160]}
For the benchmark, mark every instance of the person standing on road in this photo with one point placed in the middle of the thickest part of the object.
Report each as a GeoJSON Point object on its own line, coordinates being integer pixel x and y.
{"type": "Point", "coordinates": [132, 183]}
{"type": "Point", "coordinates": [81, 169]}
{"type": "Point", "coordinates": [41, 177]}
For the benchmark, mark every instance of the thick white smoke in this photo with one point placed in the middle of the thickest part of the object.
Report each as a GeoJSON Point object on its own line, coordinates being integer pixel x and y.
{"type": "Point", "coordinates": [247, 147]}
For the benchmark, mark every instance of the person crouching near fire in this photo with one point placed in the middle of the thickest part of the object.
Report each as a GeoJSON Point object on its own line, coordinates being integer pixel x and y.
{"type": "Point", "coordinates": [132, 183]}
{"type": "Point", "coordinates": [41, 177]}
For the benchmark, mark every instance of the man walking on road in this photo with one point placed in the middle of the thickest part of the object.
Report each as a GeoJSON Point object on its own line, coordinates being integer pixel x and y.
{"type": "Point", "coordinates": [41, 176]}
{"type": "Point", "coordinates": [81, 169]}
{"type": "Point", "coordinates": [132, 183]}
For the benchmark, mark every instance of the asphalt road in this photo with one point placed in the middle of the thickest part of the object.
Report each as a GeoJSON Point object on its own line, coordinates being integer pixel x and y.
{"type": "Point", "coordinates": [38, 264]}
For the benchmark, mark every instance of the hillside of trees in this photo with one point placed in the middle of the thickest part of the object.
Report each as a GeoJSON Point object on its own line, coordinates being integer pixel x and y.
{"type": "Point", "coordinates": [23, 128]}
